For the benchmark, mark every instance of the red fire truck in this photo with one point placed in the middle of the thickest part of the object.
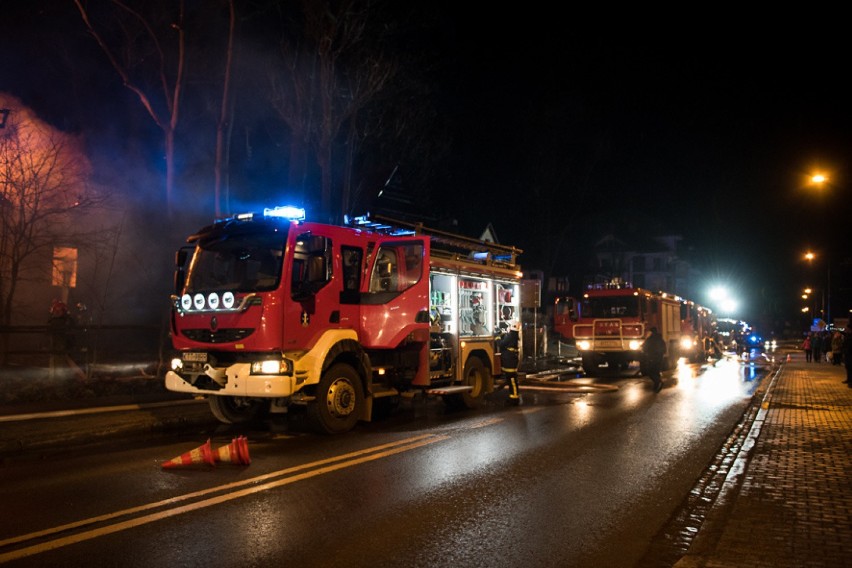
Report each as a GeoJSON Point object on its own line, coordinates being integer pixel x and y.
{"type": "Point", "coordinates": [610, 323]}
{"type": "Point", "coordinates": [271, 311]}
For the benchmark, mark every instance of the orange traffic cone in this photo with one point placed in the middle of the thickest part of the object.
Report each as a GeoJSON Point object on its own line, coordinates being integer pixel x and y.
{"type": "Point", "coordinates": [789, 358]}
{"type": "Point", "coordinates": [228, 453]}
{"type": "Point", "coordinates": [242, 446]}
{"type": "Point", "coordinates": [235, 452]}
{"type": "Point", "coordinates": [201, 454]}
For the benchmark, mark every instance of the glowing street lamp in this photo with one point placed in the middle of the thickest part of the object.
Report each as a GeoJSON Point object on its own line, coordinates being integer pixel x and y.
{"type": "Point", "coordinates": [818, 181]}
{"type": "Point", "coordinates": [810, 256]}
{"type": "Point", "coordinates": [806, 294]}
{"type": "Point", "coordinates": [724, 302]}
{"type": "Point", "coordinates": [729, 306]}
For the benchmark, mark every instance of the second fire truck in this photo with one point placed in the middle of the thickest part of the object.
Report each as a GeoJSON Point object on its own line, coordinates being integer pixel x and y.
{"type": "Point", "coordinates": [271, 311]}
{"type": "Point", "coordinates": [610, 323]}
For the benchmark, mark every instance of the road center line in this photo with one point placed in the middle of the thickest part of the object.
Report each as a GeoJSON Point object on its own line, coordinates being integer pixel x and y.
{"type": "Point", "coordinates": [336, 463]}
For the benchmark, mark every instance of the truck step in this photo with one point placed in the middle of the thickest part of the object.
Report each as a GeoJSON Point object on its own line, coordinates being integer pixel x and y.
{"type": "Point", "coordinates": [450, 390]}
{"type": "Point", "coordinates": [381, 391]}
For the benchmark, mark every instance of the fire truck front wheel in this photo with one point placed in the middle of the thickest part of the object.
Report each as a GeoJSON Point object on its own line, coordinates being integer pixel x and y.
{"type": "Point", "coordinates": [589, 362]}
{"type": "Point", "coordinates": [235, 409]}
{"type": "Point", "coordinates": [339, 400]}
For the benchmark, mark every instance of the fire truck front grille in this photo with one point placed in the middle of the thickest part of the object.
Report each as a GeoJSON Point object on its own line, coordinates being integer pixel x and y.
{"type": "Point", "coordinates": [217, 336]}
{"type": "Point", "coordinates": [608, 328]}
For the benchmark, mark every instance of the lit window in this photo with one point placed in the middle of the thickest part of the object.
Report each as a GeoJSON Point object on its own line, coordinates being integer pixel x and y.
{"type": "Point", "coordinates": [64, 267]}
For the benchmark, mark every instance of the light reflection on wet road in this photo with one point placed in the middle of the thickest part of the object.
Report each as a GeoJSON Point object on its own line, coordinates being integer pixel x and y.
{"type": "Point", "coordinates": [571, 478]}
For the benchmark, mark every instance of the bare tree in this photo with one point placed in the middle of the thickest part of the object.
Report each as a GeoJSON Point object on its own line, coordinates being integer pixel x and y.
{"type": "Point", "coordinates": [225, 123]}
{"type": "Point", "coordinates": [329, 73]}
{"type": "Point", "coordinates": [43, 190]}
{"type": "Point", "coordinates": [136, 48]}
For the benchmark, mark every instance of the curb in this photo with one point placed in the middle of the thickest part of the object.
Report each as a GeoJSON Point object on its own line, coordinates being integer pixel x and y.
{"type": "Point", "coordinates": [37, 434]}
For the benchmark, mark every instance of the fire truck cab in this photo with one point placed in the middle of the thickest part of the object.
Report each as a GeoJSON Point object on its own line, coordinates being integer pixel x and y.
{"type": "Point", "coordinates": [271, 311]}
{"type": "Point", "coordinates": [611, 321]}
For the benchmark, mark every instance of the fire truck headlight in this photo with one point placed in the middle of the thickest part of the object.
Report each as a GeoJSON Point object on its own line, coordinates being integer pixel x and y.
{"type": "Point", "coordinates": [213, 300]}
{"type": "Point", "coordinates": [176, 364]}
{"type": "Point", "coordinates": [228, 300]}
{"type": "Point", "coordinates": [271, 367]}
{"type": "Point", "coordinates": [635, 345]}
{"type": "Point", "coordinates": [686, 343]}
{"type": "Point", "coordinates": [584, 345]}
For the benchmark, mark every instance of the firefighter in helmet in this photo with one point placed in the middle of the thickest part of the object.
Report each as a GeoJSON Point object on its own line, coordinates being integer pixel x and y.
{"type": "Point", "coordinates": [509, 345]}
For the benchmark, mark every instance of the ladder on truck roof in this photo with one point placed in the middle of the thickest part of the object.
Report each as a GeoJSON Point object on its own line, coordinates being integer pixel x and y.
{"type": "Point", "coordinates": [449, 245]}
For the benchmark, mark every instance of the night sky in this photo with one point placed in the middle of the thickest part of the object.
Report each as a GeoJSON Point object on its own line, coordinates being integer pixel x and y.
{"type": "Point", "coordinates": [566, 126]}
{"type": "Point", "coordinates": [709, 133]}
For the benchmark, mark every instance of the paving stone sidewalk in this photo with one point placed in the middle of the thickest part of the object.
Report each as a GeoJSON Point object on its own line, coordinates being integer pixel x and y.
{"type": "Point", "coordinates": [788, 500]}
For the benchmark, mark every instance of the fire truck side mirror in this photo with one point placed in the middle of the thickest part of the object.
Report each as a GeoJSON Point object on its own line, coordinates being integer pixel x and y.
{"type": "Point", "coordinates": [181, 258]}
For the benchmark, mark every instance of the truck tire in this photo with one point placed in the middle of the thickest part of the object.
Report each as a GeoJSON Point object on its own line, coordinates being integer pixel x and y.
{"type": "Point", "coordinates": [589, 363]}
{"type": "Point", "coordinates": [235, 409]}
{"type": "Point", "coordinates": [476, 375]}
{"type": "Point", "coordinates": [339, 400]}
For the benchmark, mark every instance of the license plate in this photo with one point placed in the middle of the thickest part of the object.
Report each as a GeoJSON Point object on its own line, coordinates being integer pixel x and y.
{"type": "Point", "coordinates": [608, 343]}
{"type": "Point", "coordinates": [196, 357]}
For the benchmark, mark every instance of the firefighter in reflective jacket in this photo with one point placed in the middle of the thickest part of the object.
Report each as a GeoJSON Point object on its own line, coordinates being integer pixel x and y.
{"type": "Point", "coordinates": [509, 358]}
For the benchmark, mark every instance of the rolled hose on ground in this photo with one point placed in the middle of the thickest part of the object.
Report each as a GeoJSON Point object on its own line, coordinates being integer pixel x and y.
{"type": "Point", "coordinates": [569, 386]}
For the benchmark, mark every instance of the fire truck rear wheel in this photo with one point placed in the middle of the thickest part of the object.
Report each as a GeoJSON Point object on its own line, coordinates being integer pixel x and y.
{"type": "Point", "coordinates": [476, 375]}
{"type": "Point", "coordinates": [235, 409]}
{"type": "Point", "coordinates": [339, 400]}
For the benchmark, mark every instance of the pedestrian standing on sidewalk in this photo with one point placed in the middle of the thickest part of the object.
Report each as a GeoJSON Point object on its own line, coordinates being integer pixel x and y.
{"type": "Point", "coordinates": [847, 355]}
{"type": "Point", "coordinates": [816, 347]}
{"type": "Point", "coordinates": [654, 349]}
{"type": "Point", "coordinates": [806, 347]}
{"type": "Point", "coordinates": [836, 348]}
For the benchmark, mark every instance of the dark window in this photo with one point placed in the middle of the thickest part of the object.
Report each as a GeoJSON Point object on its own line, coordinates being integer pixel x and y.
{"type": "Point", "coordinates": [398, 267]}
{"type": "Point", "coordinates": [311, 265]}
{"type": "Point", "coordinates": [352, 267]}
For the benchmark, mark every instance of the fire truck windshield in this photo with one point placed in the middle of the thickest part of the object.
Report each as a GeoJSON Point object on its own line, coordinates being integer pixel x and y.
{"type": "Point", "coordinates": [237, 263]}
{"type": "Point", "coordinates": [610, 307]}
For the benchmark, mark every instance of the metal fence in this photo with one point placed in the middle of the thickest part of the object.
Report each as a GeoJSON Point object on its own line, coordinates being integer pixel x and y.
{"type": "Point", "coordinates": [85, 347]}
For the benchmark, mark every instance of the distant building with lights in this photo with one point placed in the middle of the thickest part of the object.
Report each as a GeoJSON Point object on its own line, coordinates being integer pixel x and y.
{"type": "Point", "coordinates": [654, 263]}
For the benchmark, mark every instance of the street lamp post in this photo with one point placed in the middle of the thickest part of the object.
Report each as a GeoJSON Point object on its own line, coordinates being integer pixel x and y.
{"type": "Point", "coordinates": [826, 292]}
{"type": "Point", "coordinates": [808, 292]}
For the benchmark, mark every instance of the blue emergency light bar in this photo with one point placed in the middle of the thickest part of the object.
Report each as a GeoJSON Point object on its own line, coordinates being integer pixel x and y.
{"type": "Point", "coordinates": [287, 212]}
{"type": "Point", "coordinates": [290, 212]}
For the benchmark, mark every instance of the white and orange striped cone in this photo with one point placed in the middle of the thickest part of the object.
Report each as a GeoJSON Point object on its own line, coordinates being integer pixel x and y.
{"type": "Point", "coordinates": [236, 452]}
{"type": "Point", "coordinates": [201, 455]}
{"type": "Point", "coordinates": [242, 446]}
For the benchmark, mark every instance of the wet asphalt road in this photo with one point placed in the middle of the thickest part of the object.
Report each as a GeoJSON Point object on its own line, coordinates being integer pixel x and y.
{"type": "Point", "coordinates": [570, 478]}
